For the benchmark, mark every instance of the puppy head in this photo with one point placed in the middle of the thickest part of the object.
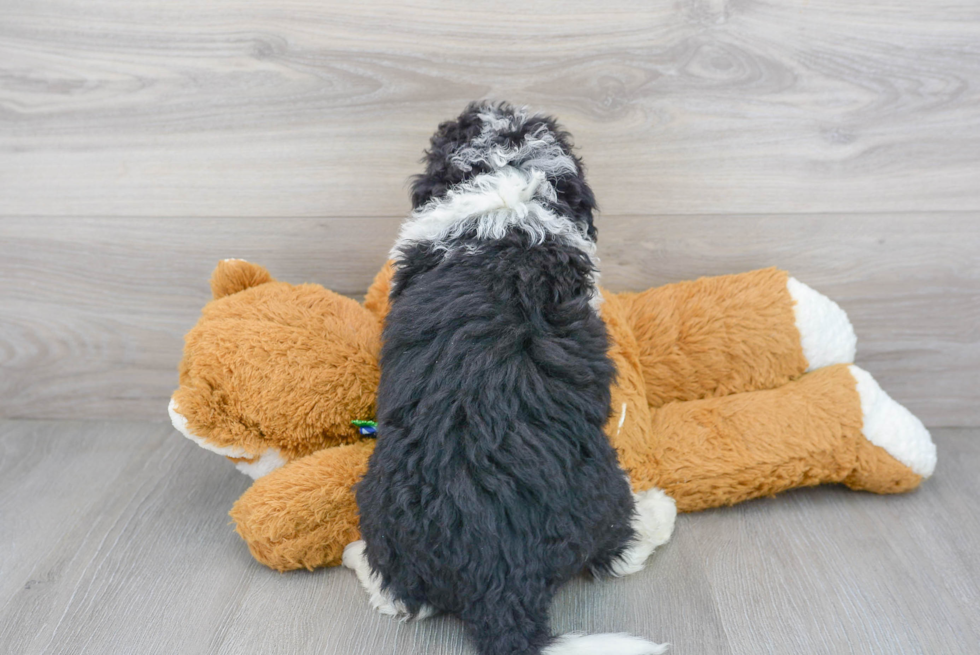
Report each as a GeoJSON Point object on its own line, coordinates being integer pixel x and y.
{"type": "Point", "coordinates": [490, 137]}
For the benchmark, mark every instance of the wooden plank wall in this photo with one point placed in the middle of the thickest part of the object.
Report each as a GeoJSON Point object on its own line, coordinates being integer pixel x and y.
{"type": "Point", "coordinates": [141, 142]}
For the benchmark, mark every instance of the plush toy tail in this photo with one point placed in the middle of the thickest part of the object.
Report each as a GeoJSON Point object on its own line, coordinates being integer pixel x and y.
{"type": "Point", "coordinates": [234, 275]}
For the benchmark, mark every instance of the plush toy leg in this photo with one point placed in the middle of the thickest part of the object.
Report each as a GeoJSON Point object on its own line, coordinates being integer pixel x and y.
{"type": "Point", "coordinates": [899, 437]}
{"type": "Point", "coordinates": [735, 333]}
{"type": "Point", "coordinates": [832, 425]}
{"type": "Point", "coordinates": [303, 514]}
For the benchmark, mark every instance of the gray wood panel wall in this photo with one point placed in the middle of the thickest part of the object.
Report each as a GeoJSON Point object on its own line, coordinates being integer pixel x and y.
{"type": "Point", "coordinates": [142, 142]}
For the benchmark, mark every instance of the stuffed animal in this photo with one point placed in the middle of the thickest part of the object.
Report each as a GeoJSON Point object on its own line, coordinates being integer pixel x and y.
{"type": "Point", "coordinates": [728, 388]}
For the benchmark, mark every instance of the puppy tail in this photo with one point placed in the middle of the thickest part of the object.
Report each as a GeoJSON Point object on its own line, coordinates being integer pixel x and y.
{"type": "Point", "coordinates": [574, 643]}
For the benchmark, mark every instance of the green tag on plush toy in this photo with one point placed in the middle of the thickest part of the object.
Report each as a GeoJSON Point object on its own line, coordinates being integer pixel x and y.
{"type": "Point", "coordinates": [366, 428]}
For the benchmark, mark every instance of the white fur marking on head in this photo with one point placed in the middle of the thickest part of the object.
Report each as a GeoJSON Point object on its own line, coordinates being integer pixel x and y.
{"type": "Point", "coordinates": [574, 643]}
{"type": "Point", "coordinates": [826, 335]}
{"type": "Point", "coordinates": [893, 427]}
{"type": "Point", "coordinates": [491, 205]}
{"type": "Point", "coordinates": [356, 560]}
{"type": "Point", "coordinates": [653, 523]}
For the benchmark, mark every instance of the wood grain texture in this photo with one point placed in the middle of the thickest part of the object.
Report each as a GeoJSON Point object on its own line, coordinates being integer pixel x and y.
{"type": "Point", "coordinates": [94, 310]}
{"type": "Point", "coordinates": [312, 108]}
{"type": "Point", "coordinates": [114, 540]}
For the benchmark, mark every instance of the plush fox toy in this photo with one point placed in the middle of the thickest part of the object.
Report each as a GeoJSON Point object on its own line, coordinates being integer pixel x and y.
{"type": "Point", "coordinates": [727, 388]}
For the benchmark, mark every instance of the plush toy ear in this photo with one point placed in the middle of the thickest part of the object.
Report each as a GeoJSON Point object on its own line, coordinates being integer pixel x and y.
{"type": "Point", "coordinates": [234, 275]}
{"type": "Point", "coordinates": [376, 300]}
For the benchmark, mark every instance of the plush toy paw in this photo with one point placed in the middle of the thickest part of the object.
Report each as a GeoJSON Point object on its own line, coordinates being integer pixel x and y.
{"type": "Point", "coordinates": [892, 427]}
{"type": "Point", "coordinates": [303, 514]}
{"type": "Point", "coordinates": [653, 524]}
{"type": "Point", "coordinates": [356, 560]}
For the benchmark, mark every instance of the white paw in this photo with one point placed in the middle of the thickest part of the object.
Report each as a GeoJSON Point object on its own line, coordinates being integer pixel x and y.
{"type": "Point", "coordinates": [264, 464]}
{"type": "Point", "coordinates": [826, 334]}
{"type": "Point", "coordinates": [894, 428]}
{"type": "Point", "coordinates": [653, 523]}
{"type": "Point", "coordinates": [355, 559]}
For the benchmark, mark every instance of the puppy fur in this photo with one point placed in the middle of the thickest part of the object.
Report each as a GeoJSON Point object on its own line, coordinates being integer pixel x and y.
{"type": "Point", "coordinates": [492, 482]}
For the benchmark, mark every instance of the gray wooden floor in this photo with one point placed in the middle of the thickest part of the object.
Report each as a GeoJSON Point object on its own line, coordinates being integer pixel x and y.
{"type": "Point", "coordinates": [116, 540]}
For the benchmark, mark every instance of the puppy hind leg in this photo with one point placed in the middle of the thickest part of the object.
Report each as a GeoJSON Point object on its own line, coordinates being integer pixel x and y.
{"type": "Point", "coordinates": [653, 523]}
{"type": "Point", "coordinates": [381, 599]}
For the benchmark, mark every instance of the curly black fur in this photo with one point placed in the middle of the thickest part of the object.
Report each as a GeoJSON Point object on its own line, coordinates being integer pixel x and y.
{"type": "Point", "coordinates": [575, 197]}
{"type": "Point", "coordinates": [492, 482]}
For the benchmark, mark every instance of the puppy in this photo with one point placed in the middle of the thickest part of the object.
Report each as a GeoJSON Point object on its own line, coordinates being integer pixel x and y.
{"type": "Point", "coordinates": [492, 482]}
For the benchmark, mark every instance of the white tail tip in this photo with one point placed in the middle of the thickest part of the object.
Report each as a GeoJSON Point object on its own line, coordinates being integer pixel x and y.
{"type": "Point", "coordinates": [575, 643]}
{"type": "Point", "coordinates": [826, 334]}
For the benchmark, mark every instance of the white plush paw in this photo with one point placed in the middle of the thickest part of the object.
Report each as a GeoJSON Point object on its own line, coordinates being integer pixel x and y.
{"type": "Point", "coordinates": [894, 428]}
{"type": "Point", "coordinates": [355, 559]}
{"type": "Point", "coordinates": [254, 466]}
{"type": "Point", "coordinates": [653, 524]}
{"type": "Point", "coordinates": [826, 334]}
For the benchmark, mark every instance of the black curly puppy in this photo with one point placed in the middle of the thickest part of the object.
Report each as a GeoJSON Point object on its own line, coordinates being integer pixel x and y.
{"type": "Point", "coordinates": [492, 482]}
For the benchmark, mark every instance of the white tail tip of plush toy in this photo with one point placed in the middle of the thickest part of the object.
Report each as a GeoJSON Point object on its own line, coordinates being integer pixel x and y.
{"type": "Point", "coordinates": [826, 335]}
{"type": "Point", "coordinates": [575, 643]}
{"type": "Point", "coordinates": [894, 428]}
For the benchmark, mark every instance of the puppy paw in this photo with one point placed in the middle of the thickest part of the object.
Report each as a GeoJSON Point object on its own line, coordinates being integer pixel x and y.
{"type": "Point", "coordinates": [653, 524]}
{"type": "Point", "coordinates": [380, 599]}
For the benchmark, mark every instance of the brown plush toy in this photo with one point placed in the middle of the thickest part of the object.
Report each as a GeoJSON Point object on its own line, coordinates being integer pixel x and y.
{"type": "Point", "coordinates": [728, 388]}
